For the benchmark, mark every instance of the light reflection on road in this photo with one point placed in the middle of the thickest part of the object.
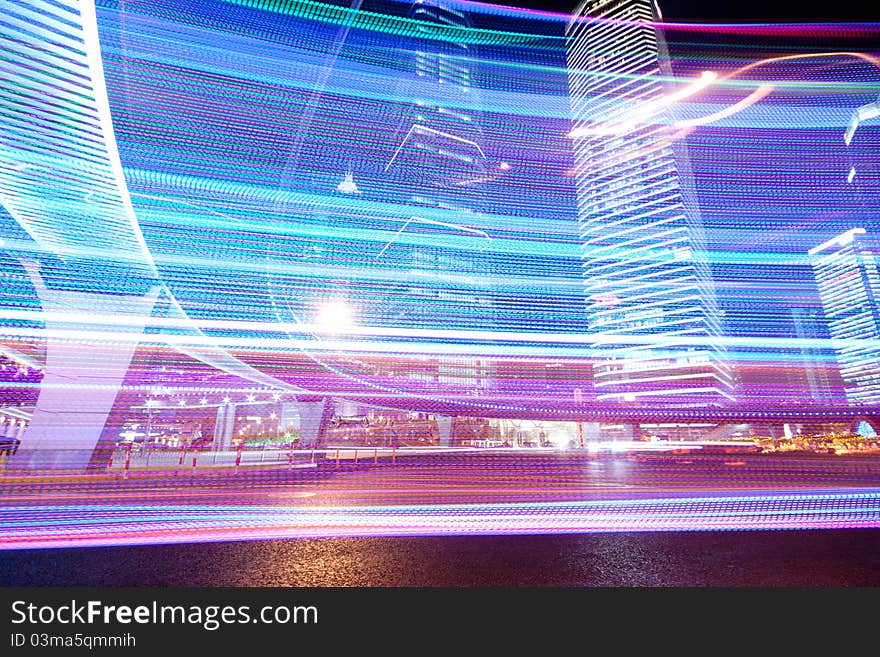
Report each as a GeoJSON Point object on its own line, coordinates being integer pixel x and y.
{"type": "Point", "coordinates": [447, 494]}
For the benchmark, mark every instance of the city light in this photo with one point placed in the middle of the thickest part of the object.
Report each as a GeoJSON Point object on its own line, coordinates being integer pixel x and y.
{"type": "Point", "coordinates": [648, 109]}
{"type": "Point", "coordinates": [334, 317]}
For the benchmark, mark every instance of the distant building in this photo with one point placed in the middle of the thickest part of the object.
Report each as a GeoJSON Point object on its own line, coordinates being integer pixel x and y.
{"type": "Point", "coordinates": [439, 169]}
{"type": "Point", "coordinates": [849, 286]}
{"type": "Point", "coordinates": [643, 260]}
{"type": "Point", "coordinates": [817, 361]}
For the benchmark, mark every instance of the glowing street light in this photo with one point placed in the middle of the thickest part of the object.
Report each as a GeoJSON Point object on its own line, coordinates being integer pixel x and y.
{"type": "Point", "coordinates": [334, 317]}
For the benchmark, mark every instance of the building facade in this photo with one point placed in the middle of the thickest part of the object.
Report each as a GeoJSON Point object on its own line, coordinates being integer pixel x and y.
{"type": "Point", "coordinates": [849, 286]}
{"type": "Point", "coordinates": [819, 378]}
{"type": "Point", "coordinates": [650, 296]}
{"type": "Point", "coordinates": [438, 170]}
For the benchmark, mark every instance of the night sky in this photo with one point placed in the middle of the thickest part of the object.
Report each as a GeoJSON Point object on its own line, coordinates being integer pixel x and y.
{"type": "Point", "coordinates": [715, 11]}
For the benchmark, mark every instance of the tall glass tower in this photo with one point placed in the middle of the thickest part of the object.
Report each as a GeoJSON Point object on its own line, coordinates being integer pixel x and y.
{"type": "Point", "coordinates": [437, 170]}
{"type": "Point", "coordinates": [849, 286]}
{"type": "Point", "coordinates": [651, 300]}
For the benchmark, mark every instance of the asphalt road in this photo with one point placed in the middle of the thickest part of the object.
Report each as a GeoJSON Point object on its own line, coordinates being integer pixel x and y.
{"type": "Point", "coordinates": [733, 558]}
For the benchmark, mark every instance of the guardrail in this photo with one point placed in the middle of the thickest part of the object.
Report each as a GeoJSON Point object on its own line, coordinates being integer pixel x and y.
{"type": "Point", "coordinates": [127, 459]}
{"type": "Point", "coordinates": [123, 460]}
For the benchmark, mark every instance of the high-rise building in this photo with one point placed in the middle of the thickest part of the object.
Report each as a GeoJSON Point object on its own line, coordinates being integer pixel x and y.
{"type": "Point", "coordinates": [817, 364]}
{"type": "Point", "coordinates": [849, 286]}
{"type": "Point", "coordinates": [438, 170]}
{"type": "Point", "coordinates": [650, 295]}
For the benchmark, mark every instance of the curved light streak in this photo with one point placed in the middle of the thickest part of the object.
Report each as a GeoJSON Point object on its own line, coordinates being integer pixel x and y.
{"type": "Point", "coordinates": [126, 524]}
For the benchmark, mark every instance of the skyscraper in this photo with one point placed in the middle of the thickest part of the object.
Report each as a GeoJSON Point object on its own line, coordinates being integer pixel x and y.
{"type": "Point", "coordinates": [438, 169]}
{"type": "Point", "coordinates": [849, 286]}
{"type": "Point", "coordinates": [816, 361]}
{"type": "Point", "coordinates": [651, 300]}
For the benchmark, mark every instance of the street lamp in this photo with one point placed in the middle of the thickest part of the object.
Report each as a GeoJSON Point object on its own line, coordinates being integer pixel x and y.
{"type": "Point", "coordinates": [334, 317]}
{"type": "Point", "coordinates": [151, 404]}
